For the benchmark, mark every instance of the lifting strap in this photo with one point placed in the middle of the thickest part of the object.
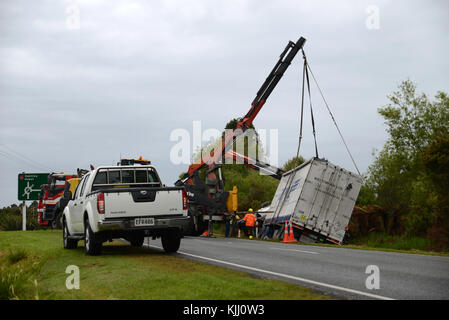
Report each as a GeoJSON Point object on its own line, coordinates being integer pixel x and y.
{"type": "Point", "coordinates": [302, 111]}
{"type": "Point", "coordinates": [305, 79]}
{"type": "Point", "coordinates": [333, 119]}
{"type": "Point", "coordinates": [310, 102]}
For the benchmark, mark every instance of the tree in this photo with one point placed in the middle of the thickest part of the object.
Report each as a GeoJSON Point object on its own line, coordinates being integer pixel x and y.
{"type": "Point", "coordinates": [398, 176]}
{"type": "Point", "coordinates": [436, 162]}
{"type": "Point", "coordinates": [293, 163]}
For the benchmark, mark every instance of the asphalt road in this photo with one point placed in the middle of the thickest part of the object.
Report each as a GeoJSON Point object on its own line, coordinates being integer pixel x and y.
{"type": "Point", "coordinates": [336, 271]}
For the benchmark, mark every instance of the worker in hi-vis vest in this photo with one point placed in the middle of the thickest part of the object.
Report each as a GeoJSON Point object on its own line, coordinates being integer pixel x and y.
{"type": "Point", "coordinates": [234, 224]}
{"type": "Point", "coordinates": [250, 222]}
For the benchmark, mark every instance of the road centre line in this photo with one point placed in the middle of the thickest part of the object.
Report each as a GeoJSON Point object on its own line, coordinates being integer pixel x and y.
{"type": "Point", "coordinates": [311, 252]}
{"type": "Point", "coordinates": [276, 248]}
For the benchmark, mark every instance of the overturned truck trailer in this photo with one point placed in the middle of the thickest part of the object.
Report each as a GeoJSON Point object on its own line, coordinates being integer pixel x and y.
{"type": "Point", "coordinates": [319, 198]}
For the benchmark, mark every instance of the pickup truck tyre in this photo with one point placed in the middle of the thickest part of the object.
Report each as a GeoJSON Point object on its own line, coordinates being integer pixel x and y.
{"type": "Point", "coordinates": [92, 244]}
{"type": "Point", "coordinates": [171, 240]}
{"type": "Point", "coordinates": [68, 243]}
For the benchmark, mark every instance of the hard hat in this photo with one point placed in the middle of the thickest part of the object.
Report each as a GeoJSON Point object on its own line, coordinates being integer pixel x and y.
{"type": "Point", "coordinates": [250, 210]}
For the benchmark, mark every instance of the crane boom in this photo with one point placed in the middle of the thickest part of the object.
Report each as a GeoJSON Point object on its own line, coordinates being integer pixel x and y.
{"type": "Point", "coordinates": [270, 83]}
{"type": "Point", "coordinates": [244, 123]}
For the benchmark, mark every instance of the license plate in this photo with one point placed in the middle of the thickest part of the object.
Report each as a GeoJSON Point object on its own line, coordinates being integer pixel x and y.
{"type": "Point", "coordinates": [141, 222]}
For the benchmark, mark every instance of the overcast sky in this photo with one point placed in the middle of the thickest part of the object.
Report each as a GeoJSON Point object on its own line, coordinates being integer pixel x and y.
{"type": "Point", "coordinates": [130, 72]}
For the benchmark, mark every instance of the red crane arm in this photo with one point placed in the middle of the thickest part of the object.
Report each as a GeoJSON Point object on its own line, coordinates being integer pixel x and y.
{"type": "Point", "coordinates": [244, 123]}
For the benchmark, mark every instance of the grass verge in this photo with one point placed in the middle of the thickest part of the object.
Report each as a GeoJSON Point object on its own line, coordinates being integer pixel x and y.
{"type": "Point", "coordinates": [33, 266]}
{"type": "Point", "coordinates": [376, 242]}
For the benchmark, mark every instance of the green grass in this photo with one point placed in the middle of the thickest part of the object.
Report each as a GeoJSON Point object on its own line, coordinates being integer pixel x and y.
{"type": "Point", "coordinates": [123, 272]}
{"type": "Point", "coordinates": [374, 241]}
{"type": "Point", "coordinates": [15, 256]}
{"type": "Point", "coordinates": [17, 274]}
{"type": "Point", "coordinates": [403, 243]}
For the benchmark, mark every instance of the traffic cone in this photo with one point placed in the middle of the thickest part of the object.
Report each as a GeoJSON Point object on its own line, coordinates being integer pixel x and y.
{"type": "Point", "coordinates": [286, 239]}
{"type": "Point", "coordinates": [291, 235]}
{"type": "Point", "coordinates": [288, 234]}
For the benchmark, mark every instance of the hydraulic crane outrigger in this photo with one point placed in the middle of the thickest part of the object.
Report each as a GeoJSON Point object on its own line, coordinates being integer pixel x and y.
{"type": "Point", "coordinates": [211, 200]}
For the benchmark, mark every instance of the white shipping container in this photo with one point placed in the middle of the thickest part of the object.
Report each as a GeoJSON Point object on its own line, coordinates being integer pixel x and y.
{"type": "Point", "coordinates": [317, 196]}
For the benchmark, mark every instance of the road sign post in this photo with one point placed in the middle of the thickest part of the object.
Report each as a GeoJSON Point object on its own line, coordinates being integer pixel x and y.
{"type": "Point", "coordinates": [24, 216]}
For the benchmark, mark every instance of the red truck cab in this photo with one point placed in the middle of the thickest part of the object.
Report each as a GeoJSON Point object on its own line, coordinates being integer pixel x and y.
{"type": "Point", "coordinates": [53, 193]}
{"type": "Point", "coordinates": [41, 207]}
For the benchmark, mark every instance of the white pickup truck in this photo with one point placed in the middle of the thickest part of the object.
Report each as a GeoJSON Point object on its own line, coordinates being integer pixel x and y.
{"type": "Point", "coordinates": [127, 202]}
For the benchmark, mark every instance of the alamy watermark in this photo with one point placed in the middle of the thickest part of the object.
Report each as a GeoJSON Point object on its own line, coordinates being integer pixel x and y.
{"type": "Point", "coordinates": [373, 280]}
{"type": "Point", "coordinates": [372, 21]}
{"type": "Point", "coordinates": [198, 145]}
{"type": "Point", "coordinates": [73, 280]}
{"type": "Point", "coordinates": [73, 18]}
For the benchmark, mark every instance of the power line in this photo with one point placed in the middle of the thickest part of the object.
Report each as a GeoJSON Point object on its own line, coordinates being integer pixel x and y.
{"type": "Point", "coordinates": [15, 158]}
{"type": "Point", "coordinates": [19, 155]}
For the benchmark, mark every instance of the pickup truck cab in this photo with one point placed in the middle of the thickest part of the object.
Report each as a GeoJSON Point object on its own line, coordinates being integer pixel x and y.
{"type": "Point", "coordinates": [127, 202]}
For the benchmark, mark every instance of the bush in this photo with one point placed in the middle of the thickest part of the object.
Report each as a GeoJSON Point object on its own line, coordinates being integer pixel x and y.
{"type": "Point", "coordinates": [11, 282]}
{"type": "Point", "coordinates": [16, 276]}
{"type": "Point", "coordinates": [11, 219]}
{"type": "Point", "coordinates": [15, 256]}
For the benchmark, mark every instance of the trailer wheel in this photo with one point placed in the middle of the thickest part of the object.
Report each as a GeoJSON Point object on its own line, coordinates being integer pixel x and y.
{"type": "Point", "coordinates": [137, 241]}
{"type": "Point", "coordinates": [92, 245]}
{"type": "Point", "coordinates": [68, 243]}
{"type": "Point", "coordinates": [197, 230]}
{"type": "Point", "coordinates": [56, 222]}
{"type": "Point", "coordinates": [171, 240]}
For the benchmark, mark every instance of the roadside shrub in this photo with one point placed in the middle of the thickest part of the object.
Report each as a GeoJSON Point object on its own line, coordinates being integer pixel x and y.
{"type": "Point", "coordinates": [11, 219]}
{"type": "Point", "coordinates": [384, 241]}
{"type": "Point", "coordinates": [15, 256]}
{"type": "Point", "coordinates": [17, 275]}
{"type": "Point", "coordinates": [12, 282]}
{"type": "Point", "coordinates": [365, 220]}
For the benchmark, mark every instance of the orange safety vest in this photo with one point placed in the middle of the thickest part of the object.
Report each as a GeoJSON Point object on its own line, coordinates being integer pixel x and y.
{"type": "Point", "coordinates": [250, 219]}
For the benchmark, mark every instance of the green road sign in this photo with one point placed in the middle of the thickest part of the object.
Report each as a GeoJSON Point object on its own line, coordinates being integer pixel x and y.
{"type": "Point", "coordinates": [30, 185]}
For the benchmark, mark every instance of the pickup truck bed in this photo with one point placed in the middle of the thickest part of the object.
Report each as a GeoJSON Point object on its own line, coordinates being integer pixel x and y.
{"type": "Point", "coordinates": [124, 202]}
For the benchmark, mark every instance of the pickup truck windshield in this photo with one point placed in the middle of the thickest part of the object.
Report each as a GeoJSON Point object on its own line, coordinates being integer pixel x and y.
{"type": "Point", "coordinates": [127, 177]}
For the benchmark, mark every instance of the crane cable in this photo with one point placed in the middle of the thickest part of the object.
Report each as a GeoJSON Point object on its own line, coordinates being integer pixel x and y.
{"type": "Point", "coordinates": [333, 118]}
{"type": "Point", "coordinates": [305, 78]}
{"type": "Point", "coordinates": [310, 102]}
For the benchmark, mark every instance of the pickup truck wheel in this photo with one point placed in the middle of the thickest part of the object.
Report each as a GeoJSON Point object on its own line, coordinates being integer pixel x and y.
{"type": "Point", "coordinates": [68, 243]}
{"type": "Point", "coordinates": [171, 241]}
{"type": "Point", "coordinates": [92, 245]}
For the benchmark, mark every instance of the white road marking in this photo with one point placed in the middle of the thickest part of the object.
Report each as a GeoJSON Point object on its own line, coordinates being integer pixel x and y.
{"type": "Point", "coordinates": [370, 295]}
{"type": "Point", "coordinates": [311, 252]}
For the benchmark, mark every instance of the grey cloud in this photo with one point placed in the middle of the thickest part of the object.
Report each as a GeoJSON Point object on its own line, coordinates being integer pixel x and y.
{"type": "Point", "coordinates": [136, 70]}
